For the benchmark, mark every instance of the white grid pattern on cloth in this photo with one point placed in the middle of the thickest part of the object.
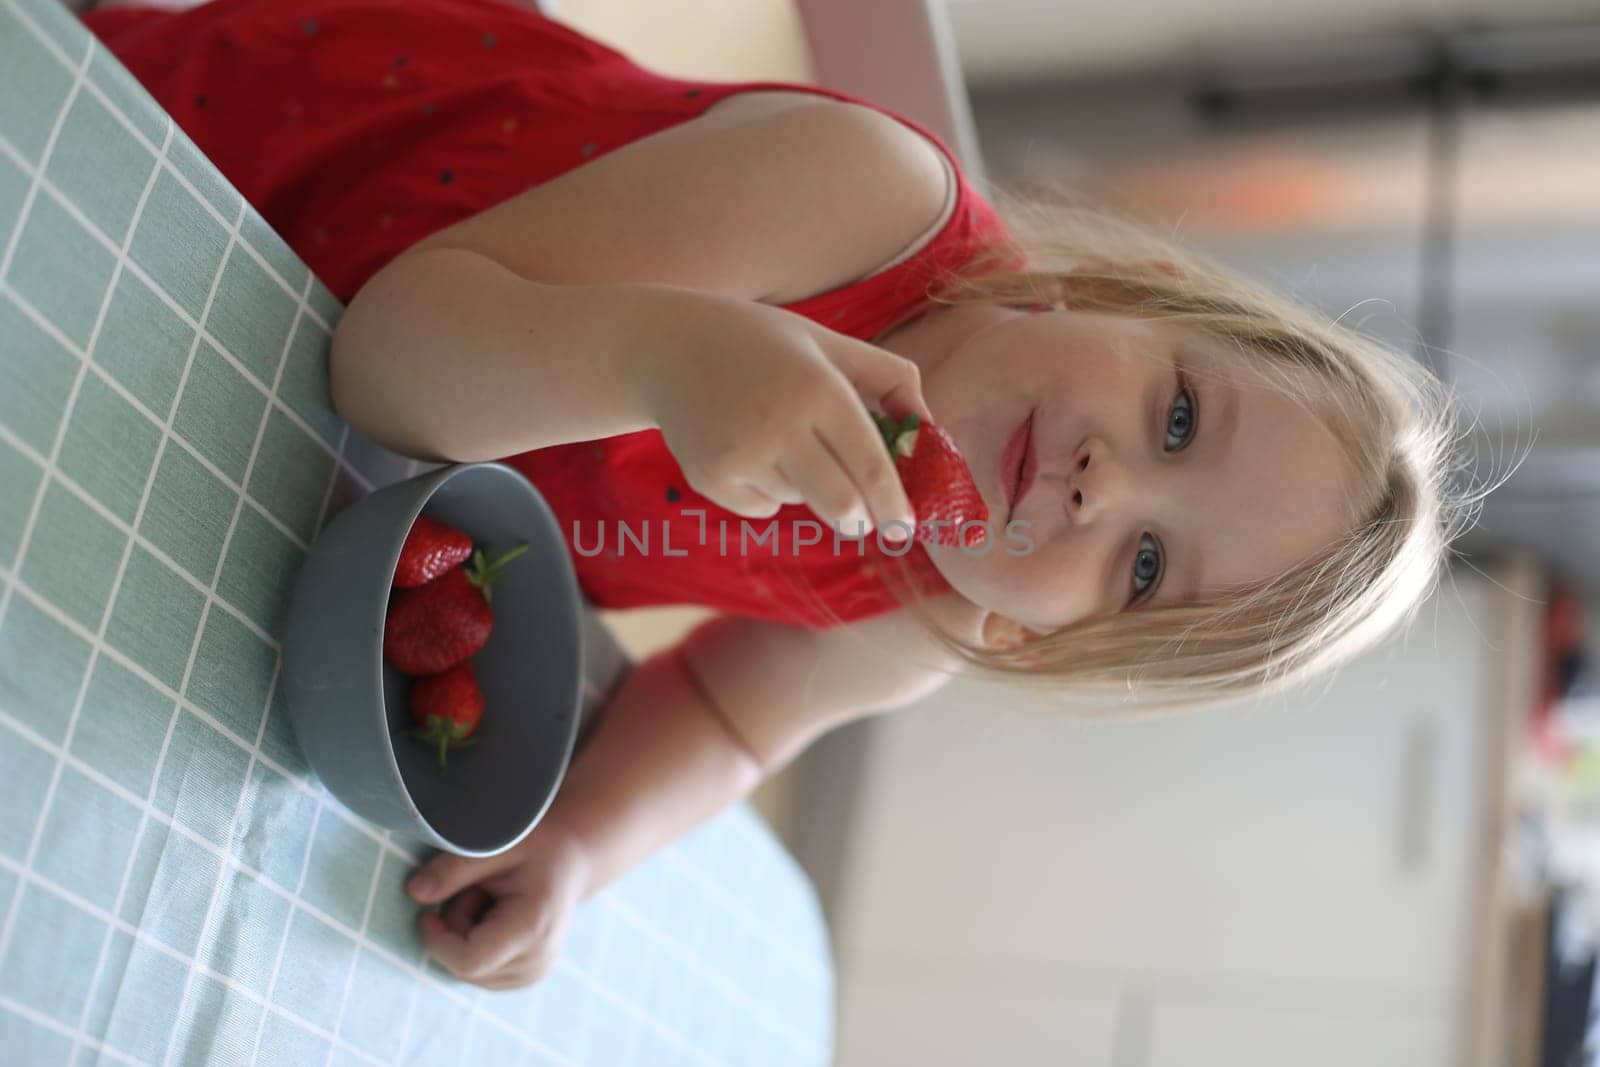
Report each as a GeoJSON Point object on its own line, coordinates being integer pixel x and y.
{"type": "Point", "coordinates": [617, 914]}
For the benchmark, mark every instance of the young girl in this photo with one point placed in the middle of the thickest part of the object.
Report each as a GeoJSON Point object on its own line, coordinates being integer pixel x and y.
{"type": "Point", "coordinates": [677, 302]}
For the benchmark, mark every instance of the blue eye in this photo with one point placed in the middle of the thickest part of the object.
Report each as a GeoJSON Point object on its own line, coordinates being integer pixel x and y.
{"type": "Point", "coordinates": [1146, 565]}
{"type": "Point", "coordinates": [1180, 420]}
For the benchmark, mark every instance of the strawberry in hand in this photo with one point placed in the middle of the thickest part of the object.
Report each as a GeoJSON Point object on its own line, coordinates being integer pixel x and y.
{"type": "Point", "coordinates": [936, 480]}
{"type": "Point", "coordinates": [431, 548]}
{"type": "Point", "coordinates": [432, 628]}
{"type": "Point", "coordinates": [446, 708]}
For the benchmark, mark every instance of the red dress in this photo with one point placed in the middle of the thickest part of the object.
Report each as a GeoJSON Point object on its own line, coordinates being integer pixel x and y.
{"type": "Point", "coordinates": [359, 127]}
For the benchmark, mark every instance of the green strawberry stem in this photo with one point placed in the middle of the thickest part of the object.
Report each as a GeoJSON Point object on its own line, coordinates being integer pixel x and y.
{"type": "Point", "coordinates": [445, 734]}
{"type": "Point", "coordinates": [899, 436]}
{"type": "Point", "coordinates": [483, 573]}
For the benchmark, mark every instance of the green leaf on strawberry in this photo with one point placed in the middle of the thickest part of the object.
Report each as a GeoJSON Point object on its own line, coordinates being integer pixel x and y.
{"type": "Point", "coordinates": [447, 709]}
{"type": "Point", "coordinates": [432, 628]}
{"type": "Point", "coordinates": [937, 481]}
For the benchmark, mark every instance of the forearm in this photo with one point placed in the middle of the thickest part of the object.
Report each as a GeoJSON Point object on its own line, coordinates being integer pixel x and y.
{"type": "Point", "coordinates": [658, 763]}
{"type": "Point", "coordinates": [447, 355]}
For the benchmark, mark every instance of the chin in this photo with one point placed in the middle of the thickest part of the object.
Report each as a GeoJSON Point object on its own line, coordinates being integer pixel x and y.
{"type": "Point", "coordinates": [957, 568]}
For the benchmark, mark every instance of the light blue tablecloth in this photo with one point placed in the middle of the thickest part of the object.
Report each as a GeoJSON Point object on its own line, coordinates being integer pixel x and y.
{"type": "Point", "coordinates": [175, 885]}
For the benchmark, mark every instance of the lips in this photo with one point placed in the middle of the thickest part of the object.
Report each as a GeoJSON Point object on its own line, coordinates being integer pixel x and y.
{"type": "Point", "coordinates": [1030, 463]}
{"type": "Point", "coordinates": [1017, 464]}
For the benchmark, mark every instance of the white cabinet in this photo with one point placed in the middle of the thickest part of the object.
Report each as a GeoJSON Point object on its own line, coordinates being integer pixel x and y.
{"type": "Point", "coordinates": [1283, 876]}
{"type": "Point", "coordinates": [892, 1025]}
{"type": "Point", "coordinates": [1186, 1035]}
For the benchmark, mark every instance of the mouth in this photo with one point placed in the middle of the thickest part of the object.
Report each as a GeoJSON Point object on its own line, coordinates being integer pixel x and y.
{"type": "Point", "coordinates": [1017, 465]}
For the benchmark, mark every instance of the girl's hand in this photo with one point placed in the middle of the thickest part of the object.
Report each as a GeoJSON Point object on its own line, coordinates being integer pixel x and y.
{"type": "Point", "coordinates": [507, 916]}
{"type": "Point", "coordinates": [762, 407]}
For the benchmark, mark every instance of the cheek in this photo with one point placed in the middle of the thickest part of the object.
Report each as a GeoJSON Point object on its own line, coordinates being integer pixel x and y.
{"type": "Point", "coordinates": [1055, 583]}
{"type": "Point", "coordinates": [1100, 389]}
{"type": "Point", "coordinates": [1103, 368]}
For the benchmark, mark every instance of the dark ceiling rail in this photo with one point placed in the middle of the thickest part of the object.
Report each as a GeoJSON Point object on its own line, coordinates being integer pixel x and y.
{"type": "Point", "coordinates": [1443, 70]}
{"type": "Point", "coordinates": [1264, 80]}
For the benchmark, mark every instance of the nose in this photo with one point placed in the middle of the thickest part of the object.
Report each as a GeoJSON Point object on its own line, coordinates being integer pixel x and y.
{"type": "Point", "coordinates": [1096, 484]}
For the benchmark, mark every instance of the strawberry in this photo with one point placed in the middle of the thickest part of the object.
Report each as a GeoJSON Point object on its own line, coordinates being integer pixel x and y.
{"type": "Point", "coordinates": [936, 480]}
{"type": "Point", "coordinates": [431, 548]}
{"type": "Point", "coordinates": [447, 707]}
{"type": "Point", "coordinates": [434, 627]}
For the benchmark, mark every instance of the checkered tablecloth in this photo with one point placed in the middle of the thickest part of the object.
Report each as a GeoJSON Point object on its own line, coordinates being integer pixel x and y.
{"type": "Point", "coordinates": [176, 887]}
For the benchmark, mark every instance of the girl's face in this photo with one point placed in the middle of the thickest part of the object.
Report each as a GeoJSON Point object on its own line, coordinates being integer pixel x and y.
{"type": "Point", "coordinates": [1152, 481]}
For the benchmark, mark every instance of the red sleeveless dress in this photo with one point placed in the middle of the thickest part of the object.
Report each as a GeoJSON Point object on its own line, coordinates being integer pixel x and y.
{"type": "Point", "coordinates": [358, 127]}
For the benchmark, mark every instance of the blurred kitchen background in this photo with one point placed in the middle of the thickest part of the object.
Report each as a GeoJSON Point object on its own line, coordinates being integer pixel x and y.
{"type": "Point", "coordinates": [1400, 865]}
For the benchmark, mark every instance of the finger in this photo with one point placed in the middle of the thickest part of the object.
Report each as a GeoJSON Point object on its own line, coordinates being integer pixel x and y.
{"type": "Point", "coordinates": [465, 909]}
{"type": "Point", "coordinates": [446, 874]}
{"type": "Point", "coordinates": [477, 953]}
{"type": "Point", "coordinates": [518, 972]}
{"type": "Point", "coordinates": [746, 500]}
{"type": "Point", "coordinates": [858, 450]}
{"type": "Point", "coordinates": [826, 488]}
{"type": "Point", "coordinates": [485, 948]}
{"type": "Point", "coordinates": [777, 486]}
{"type": "Point", "coordinates": [447, 946]}
{"type": "Point", "coordinates": [887, 382]}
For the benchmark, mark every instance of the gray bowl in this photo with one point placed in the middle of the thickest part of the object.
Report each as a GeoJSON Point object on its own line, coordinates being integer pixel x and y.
{"type": "Point", "coordinates": [349, 707]}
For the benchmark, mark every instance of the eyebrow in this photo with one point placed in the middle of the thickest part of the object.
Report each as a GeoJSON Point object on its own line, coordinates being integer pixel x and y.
{"type": "Point", "coordinates": [1218, 438]}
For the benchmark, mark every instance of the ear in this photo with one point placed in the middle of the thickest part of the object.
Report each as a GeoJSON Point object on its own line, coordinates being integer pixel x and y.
{"type": "Point", "coordinates": [1001, 633]}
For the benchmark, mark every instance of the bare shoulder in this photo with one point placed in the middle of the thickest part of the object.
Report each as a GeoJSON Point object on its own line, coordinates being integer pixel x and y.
{"type": "Point", "coordinates": [873, 155]}
{"type": "Point", "coordinates": [891, 659]}
{"type": "Point", "coordinates": [772, 197]}
{"type": "Point", "coordinates": [758, 103]}
{"type": "Point", "coordinates": [783, 686]}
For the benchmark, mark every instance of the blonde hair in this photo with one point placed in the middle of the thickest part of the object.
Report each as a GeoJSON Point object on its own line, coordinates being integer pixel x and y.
{"type": "Point", "coordinates": [1394, 421]}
